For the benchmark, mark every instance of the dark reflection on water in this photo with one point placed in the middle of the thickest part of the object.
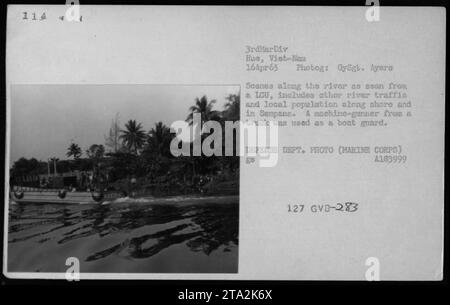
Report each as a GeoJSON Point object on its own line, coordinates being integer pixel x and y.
{"type": "Point", "coordinates": [134, 231]}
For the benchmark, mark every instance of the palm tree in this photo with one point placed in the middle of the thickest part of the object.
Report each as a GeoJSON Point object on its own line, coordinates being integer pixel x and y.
{"type": "Point", "coordinates": [133, 136]}
{"type": "Point", "coordinates": [204, 107]}
{"type": "Point", "coordinates": [74, 150]}
{"type": "Point", "coordinates": [159, 138]}
{"type": "Point", "coordinates": [156, 153]}
{"type": "Point", "coordinates": [232, 108]}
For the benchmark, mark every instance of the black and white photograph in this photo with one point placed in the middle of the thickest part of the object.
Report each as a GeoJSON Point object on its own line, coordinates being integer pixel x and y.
{"type": "Point", "coordinates": [94, 177]}
{"type": "Point", "coordinates": [227, 152]}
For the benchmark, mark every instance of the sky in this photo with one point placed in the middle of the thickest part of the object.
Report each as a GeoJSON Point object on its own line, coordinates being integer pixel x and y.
{"type": "Point", "coordinates": [46, 119]}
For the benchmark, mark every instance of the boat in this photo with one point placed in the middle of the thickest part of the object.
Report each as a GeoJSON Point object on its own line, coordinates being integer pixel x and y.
{"type": "Point", "coordinates": [61, 196]}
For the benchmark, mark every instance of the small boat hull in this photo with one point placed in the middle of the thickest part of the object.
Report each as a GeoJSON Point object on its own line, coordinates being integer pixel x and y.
{"type": "Point", "coordinates": [62, 197]}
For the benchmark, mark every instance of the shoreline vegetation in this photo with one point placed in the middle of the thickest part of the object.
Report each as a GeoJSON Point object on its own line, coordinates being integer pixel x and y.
{"type": "Point", "coordinates": [139, 163]}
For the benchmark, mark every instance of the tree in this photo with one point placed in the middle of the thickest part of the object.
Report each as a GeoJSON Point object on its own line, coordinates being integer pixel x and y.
{"type": "Point", "coordinates": [159, 138]}
{"type": "Point", "coordinates": [133, 136]}
{"type": "Point", "coordinates": [96, 151]}
{"type": "Point", "coordinates": [24, 167]}
{"type": "Point", "coordinates": [204, 107]}
{"type": "Point", "coordinates": [232, 108]}
{"type": "Point", "coordinates": [74, 151]}
{"type": "Point", "coordinates": [123, 164]}
{"type": "Point", "coordinates": [156, 154]}
{"type": "Point", "coordinates": [112, 141]}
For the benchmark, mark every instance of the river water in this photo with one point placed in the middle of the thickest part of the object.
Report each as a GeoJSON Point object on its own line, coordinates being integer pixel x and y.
{"type": "Point", "coordinates": [147, 235]}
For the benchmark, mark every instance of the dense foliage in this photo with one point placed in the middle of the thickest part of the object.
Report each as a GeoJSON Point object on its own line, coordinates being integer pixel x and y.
{"type": "Point", "coordinates": [134, 153]}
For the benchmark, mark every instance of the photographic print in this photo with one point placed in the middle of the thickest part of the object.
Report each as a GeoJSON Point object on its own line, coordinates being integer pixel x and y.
{"type": "Point", "coordinates": [98, 175]}
{"type": "Point", "coordinates": [130, 156]}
